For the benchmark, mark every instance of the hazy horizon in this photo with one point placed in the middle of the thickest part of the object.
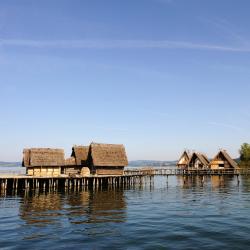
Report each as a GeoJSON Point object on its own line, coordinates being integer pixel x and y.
{"type": "Point", "coordinates": [158, 76]}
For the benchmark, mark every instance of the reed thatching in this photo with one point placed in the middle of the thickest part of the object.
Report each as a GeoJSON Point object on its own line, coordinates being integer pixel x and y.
{"type": "Point", "coordinates": [39, 157]}
{"type": "Point", "coordinates": [223, 158]}
{"type": "Point", "coordinates": [26, 158]}
{"type": "Point", "coordinates": [80, 153]}
{"type": "Point", "coordinates": [70, 161]}
{"type": "Point", "coordinates": [108, 155]}
{"type": "Point", "coordinates": [205, 158]}
{"type": "Point", "coordinates": [202, 159]}
{"type": "Point", "coordinates": [184, 159]}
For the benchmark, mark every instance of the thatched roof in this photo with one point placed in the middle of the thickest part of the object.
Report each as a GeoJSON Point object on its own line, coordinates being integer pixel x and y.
{"type": "Point", "coordinates": [184, 159]}
{"type": "Point", "coordinates": [225, 155]}
{"type": "Point", "coordinates": [26, 157]}
{"type": "Point", "coordinates": [39, 157]}
{"type": "Point", "coordinates": [108, 155]}
{"type": "Point", "coordinates": [81, 154]}
{"type": "Point", "coordinates": [205, 158]}
{"type": "Point", "coordinates": [70, 161]}
{"type": "Point", "coordinates": [202, 158]}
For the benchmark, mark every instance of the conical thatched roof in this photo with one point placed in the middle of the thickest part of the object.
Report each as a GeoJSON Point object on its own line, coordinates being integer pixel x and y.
{"type": "Point", "coordinates": [108, 155]}
{"type": "Point", "coordinates": [225, 155]}
{"type": "Point", "coordinates": [39, 157]}
{"type": "Point", "coordinates": [81, 154]}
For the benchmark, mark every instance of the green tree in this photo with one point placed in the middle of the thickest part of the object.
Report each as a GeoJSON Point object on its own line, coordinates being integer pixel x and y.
{"type": "Point", "coordinates": [245, 154]}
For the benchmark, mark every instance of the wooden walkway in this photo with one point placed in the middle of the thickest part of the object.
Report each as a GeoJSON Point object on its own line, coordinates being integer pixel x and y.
{"type": "Point", "coordinates": [22, 182]}
{"type": "Point", "coordinates": [130, 177]}
{"type": "Point", "coordinates": [177, 171]}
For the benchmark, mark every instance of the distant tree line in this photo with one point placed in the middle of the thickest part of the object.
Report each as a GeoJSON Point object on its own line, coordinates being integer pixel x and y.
{"type": "Point", "coordinates": [245, 155]}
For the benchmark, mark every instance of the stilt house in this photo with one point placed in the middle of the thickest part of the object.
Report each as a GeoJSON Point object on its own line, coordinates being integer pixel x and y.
{"type": "Point", "coordinates": [223, 161]}
{"type": "Point", "coordinates": [43, 161]}
{"type": "Point", "coordinates": [107, 159]}
{"type": "Point", "coordinates": [198, 161]}
{"type": "Point", "coordinates": [100, 159]}
{"type": "Point", "coordinates": [78, 162]}
{"type": "Point", "coordinates": [183, 161]}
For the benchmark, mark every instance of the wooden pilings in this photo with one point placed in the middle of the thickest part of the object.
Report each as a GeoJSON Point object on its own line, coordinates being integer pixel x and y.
{"type": "Point", "coordinates": [131, 177]}
{"type": "Point", "coordinates": [48, 183]}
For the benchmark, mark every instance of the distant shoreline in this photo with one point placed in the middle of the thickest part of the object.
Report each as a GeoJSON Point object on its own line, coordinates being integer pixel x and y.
{"type": "Point", "coordinates": [10, 164]}
{"type": "Point", "coordinates": [136, 163]}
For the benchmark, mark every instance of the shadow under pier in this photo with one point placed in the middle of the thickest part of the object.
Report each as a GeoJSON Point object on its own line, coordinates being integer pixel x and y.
{"type": "Point", "coordinates": [17, 183]}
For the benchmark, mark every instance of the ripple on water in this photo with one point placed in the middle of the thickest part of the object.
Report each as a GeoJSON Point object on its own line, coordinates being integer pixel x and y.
{"type": "Point", "coordinates": [173, 214]}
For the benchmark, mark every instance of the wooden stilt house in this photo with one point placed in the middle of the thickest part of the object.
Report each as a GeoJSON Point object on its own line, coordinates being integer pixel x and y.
{"type": "Point", "coordinates": [43, 161]}
{"type": "Point", "coordinates": [100, 159]}
{"type": "Point", "coordinates": [223, 161]}
{"type": "Point", "coordinates": [198, 161]}
{"type": "Point", "coordinates": [78, 162]}
{"type": "Point", "coordinates": [183, 161]}
{"type": "Point", "coordinates": [107, 159]}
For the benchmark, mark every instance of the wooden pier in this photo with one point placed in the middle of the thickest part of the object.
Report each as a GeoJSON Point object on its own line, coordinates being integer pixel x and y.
{"type": "Point", "coordinates": [23, 182]}
{"type": "Point", "coordinates": [178, 171]}
{"type": "Point", "coordinates": [130, 177]}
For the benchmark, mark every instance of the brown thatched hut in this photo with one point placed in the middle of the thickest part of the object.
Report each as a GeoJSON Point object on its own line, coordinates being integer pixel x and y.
{"type": "Point", "coordinates": [78, 162]}
{"type": "Point", "coordinates": [183, 161]}
{"type": "Point", "coordinates": [198, 161]}
{"type": "Point", "coordinates": [107, 159]}
{"type": "Point", "coordinates": [43, 161]}
{"type": "Point", "coordinates": [223, 161]}
{"type": "Point", "coordinates": [80, 153]}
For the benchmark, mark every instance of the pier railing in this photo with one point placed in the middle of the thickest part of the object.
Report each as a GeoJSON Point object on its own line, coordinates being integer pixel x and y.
{"type": "Point", "coordinates": [178, 171]}
{"type": "Point", "coordinates": [149, 171]}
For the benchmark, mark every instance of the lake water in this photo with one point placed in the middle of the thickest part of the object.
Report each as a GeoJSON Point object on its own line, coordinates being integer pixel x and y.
{"type": "Point", "coordinates": [173, 213]}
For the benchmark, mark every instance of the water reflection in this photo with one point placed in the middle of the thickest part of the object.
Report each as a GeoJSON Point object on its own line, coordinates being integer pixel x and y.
{"type": "Point", "coordinates": [40, 208]}
{"type": "Point", "coordinates": [214, 181]}
{"type": "Point", "coordinates": [173, 213]}
{"type": "Point", "coordinates": [79, 207]}
{"type": "Point", "coordinates": [245, 180]}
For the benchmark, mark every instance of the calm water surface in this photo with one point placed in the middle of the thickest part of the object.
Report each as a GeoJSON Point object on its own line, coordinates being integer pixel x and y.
{"type": "Point", "coordinates": [173, 213]}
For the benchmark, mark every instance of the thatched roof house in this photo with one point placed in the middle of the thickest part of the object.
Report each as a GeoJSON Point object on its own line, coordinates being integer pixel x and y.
{"type": "Point", "coordinates": [80, 153]}
{"type": "Point", "coordinates": [77, 164]}
{"type": "Point", "coordinates": [108, 155]}
{"type": "Point", "coordinates": [37, 157]}
{"type": "Point", "coordinates": [107, 159]}
{"type": "Point", "coordinates": [43, 161]}
{"type": "Point", "coordinates": [184, 159]}
{"type": "Point", "coordinates": [102, 159]}
{"type": "Point", "coordinates": [198, 161]}
{"type": "Point", "coordinates": [223, 161]}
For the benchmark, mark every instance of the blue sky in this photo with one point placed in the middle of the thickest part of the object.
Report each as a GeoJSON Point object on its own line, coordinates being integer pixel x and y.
{"type": "Point", "coordinates": [156, 75]}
